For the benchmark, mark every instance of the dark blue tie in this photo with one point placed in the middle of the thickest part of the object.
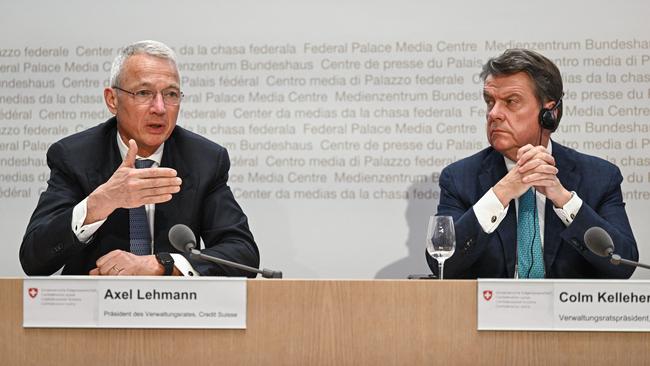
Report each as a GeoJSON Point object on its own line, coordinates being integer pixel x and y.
{"type": "Point", "coordinates": [139, 235]}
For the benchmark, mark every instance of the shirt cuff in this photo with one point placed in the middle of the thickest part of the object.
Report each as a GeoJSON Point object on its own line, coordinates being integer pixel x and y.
{"type": "Point", "coordinates": [83, 232]}
{"type": "Point", "coordinates": [184, 266]}
{"type": "Point", "coordinates": [489, 211]}
{"type": "Point", "coordinates": [568, 213]}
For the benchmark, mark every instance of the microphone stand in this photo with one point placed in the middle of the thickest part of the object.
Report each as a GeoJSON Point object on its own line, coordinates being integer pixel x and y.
{"type": "Point", "coordinates": [616, 260]}
{"type": "Point", "coordinates": [266, 273]}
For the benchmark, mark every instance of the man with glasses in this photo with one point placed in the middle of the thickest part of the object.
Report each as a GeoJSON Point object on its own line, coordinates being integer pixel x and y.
{"type": "Point", "coordinates": [116, 189]}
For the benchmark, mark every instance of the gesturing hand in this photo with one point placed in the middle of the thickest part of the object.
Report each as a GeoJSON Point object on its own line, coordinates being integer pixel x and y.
{"type": "Point", "coordinates": [129, 187]}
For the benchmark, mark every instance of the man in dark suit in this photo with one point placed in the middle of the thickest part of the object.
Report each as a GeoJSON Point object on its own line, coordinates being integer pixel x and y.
{"type": "Point", "coordinates": [497, 234]}
{"type": "Point", "coordinates": [102, 214]}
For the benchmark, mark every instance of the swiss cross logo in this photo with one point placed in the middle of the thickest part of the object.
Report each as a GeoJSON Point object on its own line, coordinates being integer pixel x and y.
{"type": "Point", "coordinates": [33, 292]}
{"type": "Point", "coordinates": [487, 295]}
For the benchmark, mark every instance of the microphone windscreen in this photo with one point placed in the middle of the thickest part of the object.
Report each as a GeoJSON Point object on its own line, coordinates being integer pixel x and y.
{"type": "Point", "coordinates": [180, 236]}
{"type": "Point", "coordinates": [598, 241]}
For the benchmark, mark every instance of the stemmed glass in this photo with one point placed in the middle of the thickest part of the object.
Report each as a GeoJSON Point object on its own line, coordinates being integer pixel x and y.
{"type": "Point", "coordinates": [441, 239]}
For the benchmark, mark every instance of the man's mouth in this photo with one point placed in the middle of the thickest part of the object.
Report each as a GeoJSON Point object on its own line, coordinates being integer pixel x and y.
{"type": "Point", "coordinates": [156, 127]}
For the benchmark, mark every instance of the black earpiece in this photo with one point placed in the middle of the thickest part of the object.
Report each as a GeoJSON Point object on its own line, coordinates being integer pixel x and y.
{"type": "Point", "coordinates": [547, 117]}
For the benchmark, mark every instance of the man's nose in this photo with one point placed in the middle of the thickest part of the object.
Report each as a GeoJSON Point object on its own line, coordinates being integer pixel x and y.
{"type": "Point", "coordinates": [158, 104]}
{"type": "Point", "coordinates": [496, 112]}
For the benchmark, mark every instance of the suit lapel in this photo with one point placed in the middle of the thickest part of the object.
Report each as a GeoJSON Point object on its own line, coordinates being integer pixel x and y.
{"type": "Point", "coordinates": [493, 169]}
{"type": "Point", "coordinates": [173, 212]}
{"type": "Point", "coordinates": [108, 156]}
{"type": "Point", "coordinates": [507, 231]}
{"type": "Point", "coordinates": [116, 228]}
{"type": "Point", "coordinates": [553, 226]}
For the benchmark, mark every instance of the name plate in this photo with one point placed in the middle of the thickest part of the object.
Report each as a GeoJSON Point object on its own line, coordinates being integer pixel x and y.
{"type": "Point", "coordinates": [564, 305]}
{"type": "Point", "coordinates": [134, 302]}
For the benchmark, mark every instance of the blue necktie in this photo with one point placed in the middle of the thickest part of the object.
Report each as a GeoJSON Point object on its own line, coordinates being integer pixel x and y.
{"type": "Point", "coordinates": [139, 235]}
{"type": "Point", "coordinates": [529, 244]}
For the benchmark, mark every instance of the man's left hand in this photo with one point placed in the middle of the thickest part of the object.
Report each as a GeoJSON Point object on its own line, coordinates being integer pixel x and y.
{"type": "Point", "coordinates": [121, 263]}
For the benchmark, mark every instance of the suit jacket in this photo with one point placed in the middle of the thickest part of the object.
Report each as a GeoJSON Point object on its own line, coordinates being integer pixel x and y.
{"type": "Point", "coordinates": [596, 181]}
{"type": "Point", "coordinates": [81, 162]}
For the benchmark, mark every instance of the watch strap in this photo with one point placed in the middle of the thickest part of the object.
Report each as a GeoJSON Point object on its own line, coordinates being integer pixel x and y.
{"type": "Point", "coordinates": [167, 261]}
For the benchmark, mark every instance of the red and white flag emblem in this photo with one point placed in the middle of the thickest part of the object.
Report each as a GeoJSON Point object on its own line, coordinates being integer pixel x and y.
{"type": "Point", "coordinates": [487, 295]}
{"type": "Point", "coordinates": [33, 292]}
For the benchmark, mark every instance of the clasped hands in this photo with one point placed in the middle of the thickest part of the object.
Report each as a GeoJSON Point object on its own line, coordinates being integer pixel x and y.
{"type": "Point", "coordinates": [130, 187]}
{"type": "Point", "coordinates": [535, 167]}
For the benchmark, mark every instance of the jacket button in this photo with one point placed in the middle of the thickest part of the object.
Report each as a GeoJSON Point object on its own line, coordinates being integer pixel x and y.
{"type": "Point", "coordinates": [468, 245]}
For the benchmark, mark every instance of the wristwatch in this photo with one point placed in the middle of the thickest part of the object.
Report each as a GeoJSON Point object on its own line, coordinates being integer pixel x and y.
{"type": "Point", "coordinates": [167, 261]}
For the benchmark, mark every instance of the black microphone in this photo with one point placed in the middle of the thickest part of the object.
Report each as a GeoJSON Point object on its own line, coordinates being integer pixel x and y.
{"type": "Point", "coordinates": [182, 238]}
{"type": "Point", "coordinates": [600, 243]}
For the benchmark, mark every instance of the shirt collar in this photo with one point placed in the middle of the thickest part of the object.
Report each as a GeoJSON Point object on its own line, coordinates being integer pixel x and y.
{"type": "Point", "coordinates": [156, 156]}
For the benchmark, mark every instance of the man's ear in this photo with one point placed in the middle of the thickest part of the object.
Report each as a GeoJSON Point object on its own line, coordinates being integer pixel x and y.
{"type": "Point", "coordinates": [110, 98]}
{"type": "Point", "coordinates": [549, 105]}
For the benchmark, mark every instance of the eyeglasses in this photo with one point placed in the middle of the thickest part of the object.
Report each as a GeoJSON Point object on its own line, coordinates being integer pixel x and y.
{"type": "Point", "coordinates": [146, 96]}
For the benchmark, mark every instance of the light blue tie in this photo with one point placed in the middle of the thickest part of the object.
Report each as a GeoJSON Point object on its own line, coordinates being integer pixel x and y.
{"type": "Point", "coordinates": [529, 244]}
{"type": "Point", "coordinates": [139, 235]}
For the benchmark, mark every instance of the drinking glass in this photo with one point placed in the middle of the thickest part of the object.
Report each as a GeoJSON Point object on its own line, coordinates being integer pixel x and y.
{"type": "Point", "coordinates": [441, 239]}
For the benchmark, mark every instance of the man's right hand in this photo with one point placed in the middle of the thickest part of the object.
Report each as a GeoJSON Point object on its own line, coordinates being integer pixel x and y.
{"type": "Point", "coordinates": [130, 187]}
{"type": "Point", "coordinates": [510, 187]}
{"type": "Point", "coordinates": [535, 167]}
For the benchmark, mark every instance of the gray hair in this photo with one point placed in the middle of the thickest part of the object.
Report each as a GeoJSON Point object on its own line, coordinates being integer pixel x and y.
{"type": "Point", "coordinates": [545, 75]}
{"type": "Point", "coordinates": [152, 48]}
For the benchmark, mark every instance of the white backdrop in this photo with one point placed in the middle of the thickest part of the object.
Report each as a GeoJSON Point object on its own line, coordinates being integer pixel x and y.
{"type": "Point", "coordinates": [338, 115]}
